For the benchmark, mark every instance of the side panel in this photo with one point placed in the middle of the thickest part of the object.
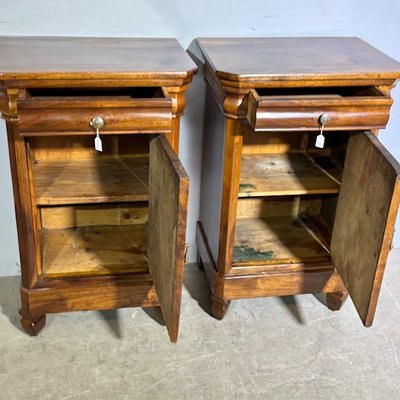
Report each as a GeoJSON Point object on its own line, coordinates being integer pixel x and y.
{"type": "Point", "coordinates": [212, 169]}
{"type": "Point", "coordinates": [168, 197]}
{"type": "Point", "coordinates": [364, 222]}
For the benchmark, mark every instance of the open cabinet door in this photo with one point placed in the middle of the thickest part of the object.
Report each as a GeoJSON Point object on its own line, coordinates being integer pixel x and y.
{"type": "Point", "coordinates": [168, 197]}
{"type": "Point", "coordinates": [365, 218]}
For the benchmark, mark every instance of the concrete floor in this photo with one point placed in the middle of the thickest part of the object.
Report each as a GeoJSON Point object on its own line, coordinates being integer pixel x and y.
{"type": "Point", "coordinates": [273, 348]}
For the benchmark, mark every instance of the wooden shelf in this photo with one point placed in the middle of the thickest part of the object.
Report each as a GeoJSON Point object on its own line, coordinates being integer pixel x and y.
{"type": "Point", "coordinates": [95, 250]}
{"type": "Point", "coordinates": [98, 180]}
{"type": "Point", "coordinates": [276, 240]}
{"type": "Point", "coordinates": [283, 174]}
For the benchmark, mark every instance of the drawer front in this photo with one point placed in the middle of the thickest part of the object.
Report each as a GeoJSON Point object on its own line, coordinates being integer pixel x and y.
{"type": "Point", "coordinates": [43, 116]}
{"type": "Point", "coordinates": [303, 112]}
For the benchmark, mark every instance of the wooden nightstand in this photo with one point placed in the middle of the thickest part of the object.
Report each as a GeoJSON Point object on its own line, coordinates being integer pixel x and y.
{"type": "Point", "coordinates": [97, 229]}
{"type": "Point", "coordinates": [279, 215]}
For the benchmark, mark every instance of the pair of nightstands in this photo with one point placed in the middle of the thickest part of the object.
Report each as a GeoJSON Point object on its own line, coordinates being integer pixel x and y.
{"type": "Point", "coordinates": [297, 193]}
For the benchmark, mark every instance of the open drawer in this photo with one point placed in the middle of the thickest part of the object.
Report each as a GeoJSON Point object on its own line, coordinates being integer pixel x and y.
{"type": "Point", "coordinates": [293, 109]}
{"type": "Point", "coordinates": [69, 111]}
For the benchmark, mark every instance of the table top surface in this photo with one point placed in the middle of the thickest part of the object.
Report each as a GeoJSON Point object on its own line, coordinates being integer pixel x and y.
{"type": "Point", "coordinates": [103, 58]}
{"type": "Point", "coordinates": [297, 58]}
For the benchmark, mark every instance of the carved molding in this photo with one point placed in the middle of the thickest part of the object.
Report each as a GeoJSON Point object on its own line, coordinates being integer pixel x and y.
{"type": "Point", "coordinates": [10, 113]}
{"type": "Point", "coordinates": [177, 95]}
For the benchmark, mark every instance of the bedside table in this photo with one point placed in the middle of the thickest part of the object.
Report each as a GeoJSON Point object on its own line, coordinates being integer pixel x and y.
{"type": "Point", "coordinates": [100, 194]}
{"type": "Point", "coordinates": [298, 195]}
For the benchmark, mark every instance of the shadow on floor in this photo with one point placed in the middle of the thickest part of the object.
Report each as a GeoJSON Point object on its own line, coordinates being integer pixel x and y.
{"type": "Point", "coordinates": [195, 282]}
{"type": "Point", "coordinates": [10, 299]}
{"type": "Point", "coordinates": [292, 306]}
{"type": "Point", "coordinates": [10, 305]}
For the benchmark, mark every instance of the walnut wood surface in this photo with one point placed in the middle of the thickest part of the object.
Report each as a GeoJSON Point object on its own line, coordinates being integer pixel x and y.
{"type": "Point", "coordinates": [36, 58]}
{"type": "Point", "coordinates": [95, 293]}
{"type": "Point", "coordinates": [94, 215]}
{"type": "Point", "coordinates": [51, 87]}
{"type": "Point", "coordinates": [320, 278]}
{"type": "Point", "coordinates": [366, 110]}
{"type": "Point", "coordinates": [76, 121]}
{"type": "Point", "coordinates": [168, 197]}
{"type": "Point", "coordinates": [288, 59]}
{"type": "Point", "coordinates": [96, 180]}
{"type": "Point", "coordinates": [364, 223]}
{"type": "Point", "coordinates": [282, 86]}
{"type": "Point", "coordinates": [276, 240]}
{"type": "Point", "coordinates": [283, 174]}
{"type": "Point", "coordinates": [94, 250]}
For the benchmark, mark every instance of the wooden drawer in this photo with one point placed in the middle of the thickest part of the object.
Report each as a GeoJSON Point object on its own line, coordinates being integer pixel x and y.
{"type": "Point", "coordinates": [69, 111]}
{"type": "Point", "coordinates": [294, 109]}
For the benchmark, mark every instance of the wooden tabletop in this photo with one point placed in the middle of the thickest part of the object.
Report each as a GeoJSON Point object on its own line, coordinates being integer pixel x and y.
{"type": "Point", "coordinates": [102, 58]}
{"type": "Point", "coordinates": [242, 59]}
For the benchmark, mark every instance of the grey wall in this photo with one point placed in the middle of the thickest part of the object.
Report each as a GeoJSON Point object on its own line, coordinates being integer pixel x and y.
{"type": "Point", "coordinates": [374, 21]}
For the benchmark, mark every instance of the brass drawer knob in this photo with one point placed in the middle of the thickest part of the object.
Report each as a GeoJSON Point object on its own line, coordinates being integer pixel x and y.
{"type": "Point", "coordinates": [97, 123]}
{"type": "Point", "coordinates": [324, 119]}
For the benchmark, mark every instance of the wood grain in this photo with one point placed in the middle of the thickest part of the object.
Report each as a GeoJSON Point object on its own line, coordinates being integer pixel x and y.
{"type": "Point", "coordinates": [51, 87]}
{"type": "Point", "coordinates": [75, 216]}
{"type": "Point", "coordinates": [26, 225]}
{"type": "Point", "coordinates": [276, 240]}
{"type": "Point", "coordinates": [283, 174]}
{"type": "Point", "coordinates": [293, 59]}
{"type": "Point", "coordinates": [94, 250]}
{"type": "Point", "coordinates": [368, 109]}
{"type": "Point", "coordinates": [168, 197]}
{"type": "Point", "coordinates": [94, 293]}
{"type": "Point", "coordinates": [364, 223]}
{"type": "Point", "coordinates": [89, 58]}
{"type": "Point", "coordinates": [96, 180]}
{"type": "Point", "coordinates": [285, 206]}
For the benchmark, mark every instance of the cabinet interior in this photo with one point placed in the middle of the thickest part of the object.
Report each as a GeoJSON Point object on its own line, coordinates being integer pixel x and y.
{"type": "Point", "coordinates": [91, 206]}
{"type": "Point", "coordinates": [344, 91]}
{"type": "Point", "coordinates": [288, 192]}
{"type": "Point", "coordinates": [79, 93]}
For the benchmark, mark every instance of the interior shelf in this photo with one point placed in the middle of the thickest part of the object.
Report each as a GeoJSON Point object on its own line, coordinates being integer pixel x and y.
{"type": "Point", "coordinates": [96, 180]}
{"type": "Point", "coordinates": [95, 250]}
{"type": "Point", "coordinates": [284, 174]}
{"type": "Point", "coordinates": [277, 240]}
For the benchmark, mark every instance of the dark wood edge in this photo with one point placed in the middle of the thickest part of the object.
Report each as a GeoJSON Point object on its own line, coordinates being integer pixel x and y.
{"type": "Point", "coordinates": [97, 82]}
{"type": "Point", "coordinates": [388, 234]}
{"type": "Point", "coordinates": [204, 252]}
{"type": "Point", "coordinates": [315, 279]}
{"type": "Point", "coordinates": [54, 300]}
{"type": "Point", "coordinates": [285, 284]}
{"type": "Point", "coordinates": [93, 281]}
{"type": "Point", "coordinates": [60, 103]}
{"type": "Point", "coordinates": [317, 129]}
{"type": "Point", "coordinates": [90, 133]}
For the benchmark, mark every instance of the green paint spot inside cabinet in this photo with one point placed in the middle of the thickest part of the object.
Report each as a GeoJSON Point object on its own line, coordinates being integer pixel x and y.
{"type": "Point", "coordinates": [245, 253]}
{"type": "Point", "coordinates": [247, 187]}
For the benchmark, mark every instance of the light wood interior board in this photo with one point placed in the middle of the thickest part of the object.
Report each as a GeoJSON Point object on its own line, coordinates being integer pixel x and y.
{"type": "Point", "coordinates": [272, 142]}
{"type": "Point", "coordinates": [95, 250]}
{"type": "Point", "coordinates": [82, 147]}
{"type": "Point", "coordinates": [254, 207]}
{"type": "Point", "coordinates": [78, 216]}
{"type": "Point", "coordinates": [276, 240]}
{"type": "Point", "coordinates": [101, 179]}
{"type": "Point", "coordinates": [283, 174]}
{"type": "Point", "coordinates": [168, 188]}
{"type": "Point", "coordinates": [365, 217]}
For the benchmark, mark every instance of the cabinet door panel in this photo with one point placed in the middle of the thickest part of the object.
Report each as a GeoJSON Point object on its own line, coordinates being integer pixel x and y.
{"type": "Point", "coordinates": [365, 218]}
{"type": "Point", "coordinates": [168, 196]}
